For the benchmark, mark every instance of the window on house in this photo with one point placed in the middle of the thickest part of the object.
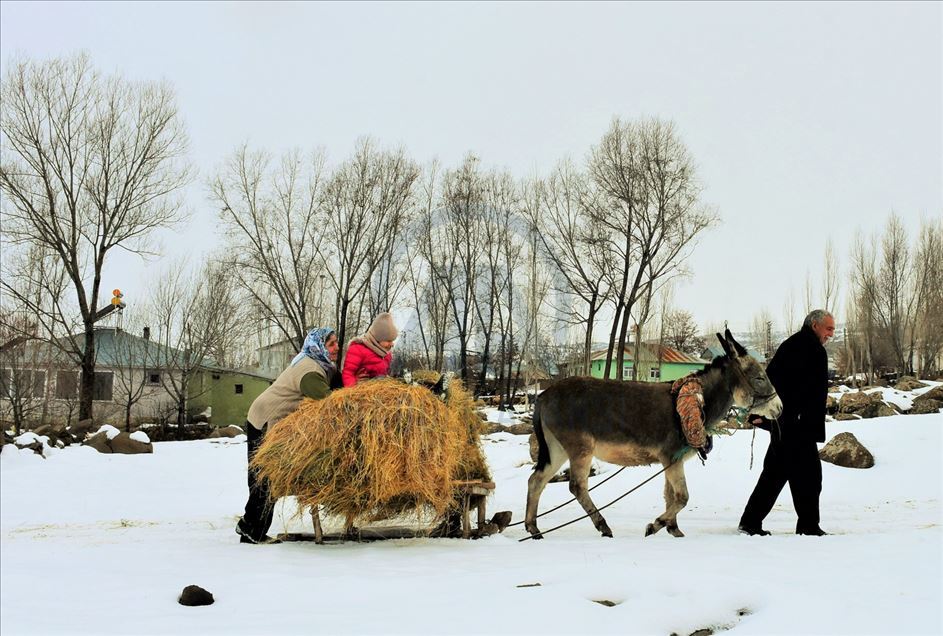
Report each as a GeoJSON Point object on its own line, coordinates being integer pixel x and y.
{"type": "Point", "coordinates": [654, 373]}
{"type": "Point", "coordinates": [626, 373]}
{"type": "Point", "coordinates": [25, 383]}
{"type": "Point", "coordinates": [39, 384]}
{"type": "Point", "coordinates": [152, 376]}
{"type": "Point", "coordinates": [67, 385]}
{"type": "Point", "coordinates": [238, 389]}
{"type": "Point", "coordinates": [102, 388]}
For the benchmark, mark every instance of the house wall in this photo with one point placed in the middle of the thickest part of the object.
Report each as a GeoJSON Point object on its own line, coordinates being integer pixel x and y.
{"type": "Point", "coordinates": [50, 409]}
{"type": "Point", "coordinates": [670, 371]}
{"type": "Point", "coordinates": [218, 390]}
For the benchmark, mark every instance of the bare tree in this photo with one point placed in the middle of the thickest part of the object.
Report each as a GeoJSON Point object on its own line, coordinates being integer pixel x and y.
{"type": "Point", "coordinates": [193, 315]}
{"type": "Point", "coordinates": [830, 275]}
{"type": "Point", "coordinates": [89, 164]}
{"type": "Point", "coordinates": [681, 332]}
{"type": "Point", "coordinates": [460, 235]}
{"type": "Point", "coordinates": [789, 311]}
{"type": "Point", "coordinates": [275, 233]}
{"type": "Point", "coordinates": [895, 298]}
{"type": "Point", "coordinates": [427, 292]}
{"type": "Point", "coordinates": [654, 216]}
{"type": "Point", "coordinates": [366, 204]}
{"type": "Point", "coordinates": [928, 329]}
{"type": "Point", "coordinates": [571, 238]}
{"type": "Point", "coordinates": [864, 292]}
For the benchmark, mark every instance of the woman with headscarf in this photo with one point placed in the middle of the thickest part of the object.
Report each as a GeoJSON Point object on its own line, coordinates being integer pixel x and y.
{"type": "Point", "coordinates": [310, 375]}
{"type": "Point", "coordinates": [369, 356]}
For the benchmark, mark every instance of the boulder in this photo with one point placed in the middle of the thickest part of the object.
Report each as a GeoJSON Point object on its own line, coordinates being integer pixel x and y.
{"type": "Point", "coordinates": [909, 383]}
{"type": "Point", "coordinates": [123, 443]}
{"type": "Point", "coordinates": [194, 595]}
{"type": "Point", "coordinates": [80, 428]}
{"type": "Point", "coordinates": [853, 402]}
{"type": "Point", "coordinates": [36, 446]}
{"type": "Point", "coordinates": [487, 428]}
{"type": "Point", "coordinates": [883, 410]}
{"type": "Point", "coordinates": [925, 406]}
{"type": "Point", "coordinates": [520, 429]}
{"type": "Point", "coordinates": [227, 431]}
{"type": "Point", "coordinates": [845, 450]}
{"type": "Point", "coordinates": [99, 442]}
{"type": "Point", "coordinates": [936, 393]}
{"type": "Point", "coordinates": [831, 405]}
{"type": "Point", "coordinates": [841, 417]}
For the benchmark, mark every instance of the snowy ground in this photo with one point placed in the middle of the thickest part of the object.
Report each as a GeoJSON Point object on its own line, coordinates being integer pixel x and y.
{"type": "Point", "coordinates": [103, 544]}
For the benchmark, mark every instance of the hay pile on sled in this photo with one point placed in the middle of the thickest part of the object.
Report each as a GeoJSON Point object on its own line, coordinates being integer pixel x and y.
{"type": "Point", "coordinates": [375, 450]}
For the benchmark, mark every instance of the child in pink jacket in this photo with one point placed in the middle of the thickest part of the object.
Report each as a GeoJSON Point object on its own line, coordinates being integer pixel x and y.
{"type": "Point", "coordinates": [369, 356]}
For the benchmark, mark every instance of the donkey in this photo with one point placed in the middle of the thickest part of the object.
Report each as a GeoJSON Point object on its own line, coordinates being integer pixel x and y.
{"type": "Point", "coordinates": [636, 424]}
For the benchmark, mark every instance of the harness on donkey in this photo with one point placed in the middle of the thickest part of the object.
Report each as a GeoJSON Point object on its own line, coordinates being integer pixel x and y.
{"type": "Point", "coordinates": [688, 394]}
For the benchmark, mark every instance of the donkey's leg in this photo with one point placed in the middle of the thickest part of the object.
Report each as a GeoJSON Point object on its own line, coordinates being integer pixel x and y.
{"type": "Point", "coordinates": [676, 498]}
{"type": "Point", "coordinates": [538, 481]}
{"type": "Point", "coordinates": [658, 523]}
{"type": "Point", "coordinates": [579, 486]}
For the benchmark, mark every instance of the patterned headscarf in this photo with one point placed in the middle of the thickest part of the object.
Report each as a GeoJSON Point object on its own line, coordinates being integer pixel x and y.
{"type": "Point", "coordinates": [314, 348]}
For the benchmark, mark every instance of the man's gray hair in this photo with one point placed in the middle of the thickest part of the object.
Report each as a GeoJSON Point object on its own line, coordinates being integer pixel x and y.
{"type": "Point", "coordinates": [816, 315]}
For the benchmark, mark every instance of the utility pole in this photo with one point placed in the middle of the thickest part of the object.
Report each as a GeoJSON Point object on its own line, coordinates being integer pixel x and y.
{"type": "Point", "coordinates": [769, 339]}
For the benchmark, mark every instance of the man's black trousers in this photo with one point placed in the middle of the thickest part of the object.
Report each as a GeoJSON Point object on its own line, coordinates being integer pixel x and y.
{"type": "Point", "coordinates": [796, 463]}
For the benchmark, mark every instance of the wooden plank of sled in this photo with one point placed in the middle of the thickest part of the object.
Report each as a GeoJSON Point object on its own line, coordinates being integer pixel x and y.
{"type": "Point", "coordinates": [489, 485]}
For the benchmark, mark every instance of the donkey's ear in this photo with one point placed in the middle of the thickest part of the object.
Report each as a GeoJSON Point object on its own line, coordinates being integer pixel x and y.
{"type": "Point", "coordinates": [726, 346]}
{"type": "Point", "coordinates": [736, 345]}
{"type": "Point", "coordinates": [408, 376]}
{"type": "Point", "coordinates": [439, 387]}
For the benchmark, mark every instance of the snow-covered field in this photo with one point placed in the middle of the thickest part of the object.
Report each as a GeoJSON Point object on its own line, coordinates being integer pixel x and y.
{"type": "Point", "coordinates": [103, 544]}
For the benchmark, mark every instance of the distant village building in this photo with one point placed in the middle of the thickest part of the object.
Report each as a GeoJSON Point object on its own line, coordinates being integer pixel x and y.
{"type": "Point", "coordinates": [124, 362]}
{"type": "Point", "coordinates": [656, 363]}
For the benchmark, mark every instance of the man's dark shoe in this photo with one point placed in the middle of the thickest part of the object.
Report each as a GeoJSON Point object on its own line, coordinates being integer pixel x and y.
{"type": "Point", "coordinates": [812, 532]}
{"type": "Point", "coordinates": [753, 531]}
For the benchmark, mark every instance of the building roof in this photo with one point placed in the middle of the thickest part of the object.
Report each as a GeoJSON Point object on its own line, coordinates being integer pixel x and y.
{"type": "Point", "coordinates": [652, 352]}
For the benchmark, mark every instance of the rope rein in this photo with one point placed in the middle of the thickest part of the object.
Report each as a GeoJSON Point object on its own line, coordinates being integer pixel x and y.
{"type": "Point", "coordinates": [547, 512]}
{"type": "Point", "coordinates": [622, 496]}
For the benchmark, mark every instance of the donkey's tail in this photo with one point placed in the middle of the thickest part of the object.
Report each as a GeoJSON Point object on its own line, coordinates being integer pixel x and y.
{"type": "Point", "coordinates": [543, 451]}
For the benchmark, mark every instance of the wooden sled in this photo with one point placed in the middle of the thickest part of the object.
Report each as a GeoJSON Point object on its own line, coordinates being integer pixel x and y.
{"type": "Point", "coordinates": [470, 492]}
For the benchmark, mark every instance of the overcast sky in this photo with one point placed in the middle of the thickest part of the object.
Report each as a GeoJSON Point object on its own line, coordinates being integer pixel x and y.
{"type": "Point", "coordinates": [806, 120]}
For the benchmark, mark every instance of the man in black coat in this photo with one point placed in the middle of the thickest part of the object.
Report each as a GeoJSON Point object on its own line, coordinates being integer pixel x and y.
{"type": "Point", "coordinates": [799, 371]}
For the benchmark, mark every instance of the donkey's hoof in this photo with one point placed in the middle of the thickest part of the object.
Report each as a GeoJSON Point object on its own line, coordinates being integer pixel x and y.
{"type": "Point", "coordinates": [605, 530]}
{"type": "Point", "coordinates": [675, 531]}
{"type": "Point", "coordinates": [652, 528]}
{"type": "Point", "coordinates": [534, 532]}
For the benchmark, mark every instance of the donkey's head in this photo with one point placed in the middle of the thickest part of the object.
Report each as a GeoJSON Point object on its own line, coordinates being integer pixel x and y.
{"type": "Point", "coordinates": [748, 382]}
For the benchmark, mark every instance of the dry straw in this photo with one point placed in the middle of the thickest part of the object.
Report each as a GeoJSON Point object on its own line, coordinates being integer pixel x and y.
{"type": "Point", "coordinates": [375, 450]}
